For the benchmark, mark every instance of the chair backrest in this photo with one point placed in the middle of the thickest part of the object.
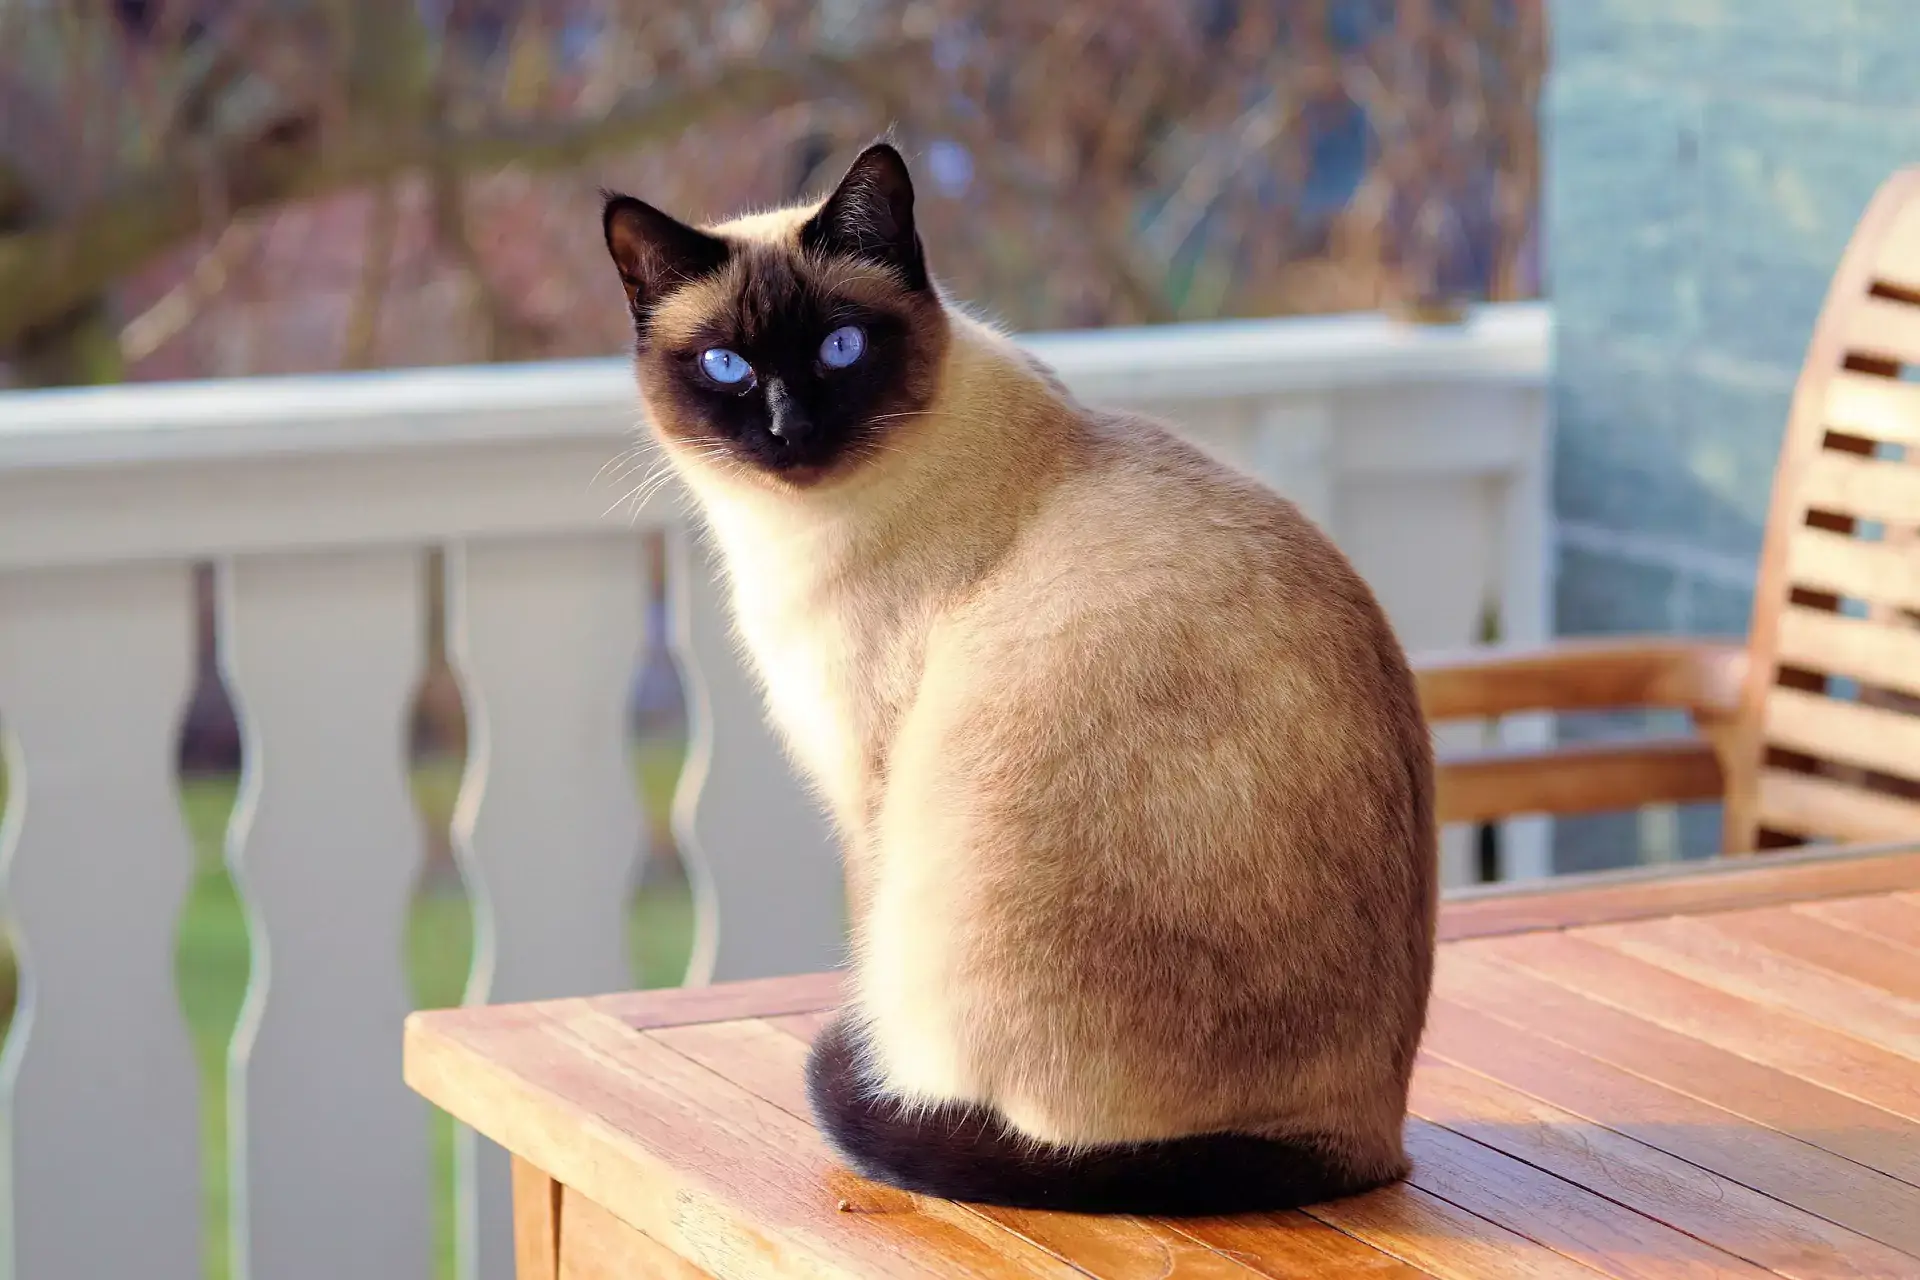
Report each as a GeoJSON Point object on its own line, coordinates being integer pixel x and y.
{"type": "Point", "coordinates": [1827, 746]}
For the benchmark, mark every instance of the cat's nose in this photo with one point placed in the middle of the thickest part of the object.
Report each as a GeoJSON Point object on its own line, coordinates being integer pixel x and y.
{"type": "Point", "coordinates": [785, 417]}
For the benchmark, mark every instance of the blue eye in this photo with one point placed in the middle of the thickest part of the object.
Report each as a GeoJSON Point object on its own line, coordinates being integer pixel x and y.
{"type": "Point", "coordinates": [842, 347]}
{"type": "Point", "coordinates": [724, 366]}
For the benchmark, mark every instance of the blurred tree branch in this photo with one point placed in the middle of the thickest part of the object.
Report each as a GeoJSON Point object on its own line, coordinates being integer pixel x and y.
{"type": "Point", "coordinates": [50, 268]}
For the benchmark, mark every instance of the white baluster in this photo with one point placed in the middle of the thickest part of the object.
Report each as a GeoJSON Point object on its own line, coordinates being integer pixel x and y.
{"type": "Point", "coordinates": [99, 1089]}
{"type": "Point", "coordinates": [546, 636]}
{"type": "Point", "coordinates": [330, 1164]}
{"type": "Point", "coordinates": [764, 866]}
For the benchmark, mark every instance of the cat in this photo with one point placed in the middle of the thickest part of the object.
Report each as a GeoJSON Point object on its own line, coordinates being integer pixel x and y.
{"type": "Point", "coordinates": [1131, 778]}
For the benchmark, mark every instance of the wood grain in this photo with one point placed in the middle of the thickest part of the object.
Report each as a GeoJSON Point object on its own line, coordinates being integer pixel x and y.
{"type": "Point", "coordinates": [1763, 1034]}
{"type": "Point", "coordinates": [1849, 732]}
{"type": "Point", "coordinates": [1888, 918]}
{"type": "Point", "coordinates": [598, 1246]}
{"type": "Point", "coordinates": [1720, 885]}
{"type": "Point", "coordinates": [1766, 977]}
{"type": "Point", "coordinates": [1593, 777]}
{"type": "Point", "coordinates": [1759, 1094]}
{"type": "Point", "coordinates": [759, 997]}
{"type": "Point", "coordinates": [1569, 1219]}
{"type": "Point", "coordinates": [768, 1061]}
{"type": "Point", "coordinates": [1687, 1198]}
{"type": "Point", "coordinates": [536, 1223]}
{"type": "Point", "coordinates": [1813, 940]}
{"type": "Point", "coordinates": [1827, 807]}
{"type": "Point", "coordinates": [1582, 675]}
{"type": "Point", "coordinates": [1699, 1133]}
{"type": "Point", "coordinates": [718, 1175]}
{"type": "Point", "coordinates": [1439, 1237]}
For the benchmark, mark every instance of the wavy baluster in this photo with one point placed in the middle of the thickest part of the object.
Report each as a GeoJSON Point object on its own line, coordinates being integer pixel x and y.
{"type": "Point", "coordinates": [98, 1086]}
{"type": "Point", "coordinates": [545, 635]}
{"type": "Point", "coordinates": [330, 1165]}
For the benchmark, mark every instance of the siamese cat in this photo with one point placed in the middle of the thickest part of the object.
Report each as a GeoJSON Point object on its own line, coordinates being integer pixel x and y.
{"type": "Point", "coordinates": [1135, 794]}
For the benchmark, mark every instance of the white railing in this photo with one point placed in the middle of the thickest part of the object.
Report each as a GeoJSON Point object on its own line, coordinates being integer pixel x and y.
{"type": "Point", "coordinates": [1421, 448]}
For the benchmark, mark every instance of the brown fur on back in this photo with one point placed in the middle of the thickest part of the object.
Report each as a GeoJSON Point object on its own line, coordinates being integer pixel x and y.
{"type": "Point", "coordinates": [1135, 789]}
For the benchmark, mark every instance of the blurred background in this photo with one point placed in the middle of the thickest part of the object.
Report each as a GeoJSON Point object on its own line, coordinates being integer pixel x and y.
{"type": "Point", "coordinates": [217, 189]}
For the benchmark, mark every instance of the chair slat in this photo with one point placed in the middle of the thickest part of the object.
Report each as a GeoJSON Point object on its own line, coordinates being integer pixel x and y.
{"type": "Point", "coordinates": [1880, 572]}
{"type": "Point", "coordinates": [1888, 328]}
{"type": "Point", "coordinates": [101, 1104]}
{"type": "Point", "coordinates": [1867, 488]}
{"type": "Point", "coordinates": [323, 652]}
{"type": "Point", "coordinates": [1877, 408]}
{"type": "Point", "coordinates": [1844, 732]}
{"type": "Point", "coordinates": [546, 635]}
{"type": "Point", "coordinates": [1876, 653]}
{"type": "Point", "coordinates": [1811, 806]}
{"type": "Point", "coordinates": [1897, 257]}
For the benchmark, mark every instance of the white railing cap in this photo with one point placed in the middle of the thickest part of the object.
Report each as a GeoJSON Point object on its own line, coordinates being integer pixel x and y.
{"type": "Point", "coordinates": [398, 409]}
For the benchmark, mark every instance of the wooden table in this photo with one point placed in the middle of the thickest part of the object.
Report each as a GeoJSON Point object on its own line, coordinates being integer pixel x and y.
{"type": "Point", "coordinates": [1713, 1072]}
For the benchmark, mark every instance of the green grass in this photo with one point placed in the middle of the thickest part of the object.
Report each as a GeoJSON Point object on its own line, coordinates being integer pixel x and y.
{"type": "Point", "coordinates": [212, 956]}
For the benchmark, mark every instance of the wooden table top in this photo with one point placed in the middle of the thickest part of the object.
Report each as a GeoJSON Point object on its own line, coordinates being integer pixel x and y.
{"type": "Point", "coordinates": [1703, 1073]}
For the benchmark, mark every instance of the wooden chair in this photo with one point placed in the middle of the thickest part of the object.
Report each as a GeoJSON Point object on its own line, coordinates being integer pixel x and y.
{"type": "Point", "coordinates": [1810, 730]}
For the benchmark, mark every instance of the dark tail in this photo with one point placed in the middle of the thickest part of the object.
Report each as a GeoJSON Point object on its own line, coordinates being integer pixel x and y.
{"type": "Point", "coordinates": [969, 1153]}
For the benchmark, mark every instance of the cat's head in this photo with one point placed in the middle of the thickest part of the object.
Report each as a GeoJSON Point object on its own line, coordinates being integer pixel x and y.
{"type": "Point", "coordinates": [790, 344]}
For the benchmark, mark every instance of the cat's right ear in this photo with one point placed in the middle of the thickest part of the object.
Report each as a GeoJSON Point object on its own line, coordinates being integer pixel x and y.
{"type": "Point", "coordinates": [654, 253]}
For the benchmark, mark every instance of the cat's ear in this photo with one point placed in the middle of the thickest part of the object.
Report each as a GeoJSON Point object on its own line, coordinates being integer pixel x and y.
{"type": "Point", "coordinates": [870, 216]}
{"type": "Point", "coordinates": [654, 253]}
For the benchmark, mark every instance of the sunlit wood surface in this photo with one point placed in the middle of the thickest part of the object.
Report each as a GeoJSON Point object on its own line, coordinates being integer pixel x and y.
{"type": "Point", "coordinates": [1714, 1072]}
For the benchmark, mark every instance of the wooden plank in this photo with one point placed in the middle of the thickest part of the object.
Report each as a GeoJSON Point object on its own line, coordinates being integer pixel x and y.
{"type": "Point", "coordinates": [1472, 978]}
{"type": "Point", "coordinates": [1872, 652]}
{"type": "Point", "coordinates": [1808, 938]}
{"type": "Point", "coordinates": [1425, 1231]}
{"type": "Point", "coordinates": [100, 1109]}
{"type": "Point", "coordinates": [1859, 486]}
{"type": "Point", "coordinates": [747, 1188]}
{"type": "Point", "coordinates": [1772, 1163]}
{"type": "Point", "coordinates": [1688, 1199]}
{"type": "Point", "coordinates": [598, 1246]}
{"type": "Point", "coordinates": [740, 801]}
{"type": "Point", "coordinates": [1822, 560]}
{"type": "Point", "coordinates": [1890, 329]}
{"type": "Point", "coordinates": [1577, 675]}
{"type": "Point", "coordinates": [804, 1025]}
{"type": "Point", "coordinates": [536, 1224]}
{"type": "Point", "coordinates": [1824, 808]}
{"type": "Point", "coordinates": [1888, 917]}
{"type": "Point", "coordinates": [545, 635]}
{"type": "Point", "coordinates": [1722, 884]}
{"type": "Point", "coordinates": [1570, 1219]}
{"type": "Point", "coordinates": [768, 1061]}
{"type": "Point", "coordinates": [1293, 1246]}
{"type": "Point", "coordinates": [1847, 732]}
{"type": "Point", "coordinates": [1763, 1034]}
{"type": "Point", "coordinates": [1766, 977]}
{"type": "Point", "coordinates": [326, 850]}
{"type": "Point", "coordinates": [1596, 777]}
{"type": "Point", "coordinates": [1876, 408]}
{"type": "Point", "coordinates": [800, 994]}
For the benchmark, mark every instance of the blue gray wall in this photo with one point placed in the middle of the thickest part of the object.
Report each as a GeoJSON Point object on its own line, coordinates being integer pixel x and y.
{"type": "Point", "coordinates": [1705, 163]}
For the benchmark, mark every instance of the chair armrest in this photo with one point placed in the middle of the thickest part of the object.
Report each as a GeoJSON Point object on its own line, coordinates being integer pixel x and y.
{"type": "Point", "coordinates": [1700, 676]}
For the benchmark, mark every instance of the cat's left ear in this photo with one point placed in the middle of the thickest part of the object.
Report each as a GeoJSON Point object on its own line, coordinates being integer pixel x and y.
{"type": "Point", "coordinates": [870, 216]}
